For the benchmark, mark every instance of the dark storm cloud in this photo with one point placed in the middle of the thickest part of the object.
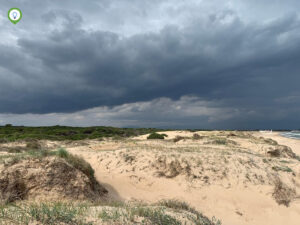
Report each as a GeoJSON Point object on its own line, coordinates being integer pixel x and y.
{"type": "Point", "coordinates": [61, 63]}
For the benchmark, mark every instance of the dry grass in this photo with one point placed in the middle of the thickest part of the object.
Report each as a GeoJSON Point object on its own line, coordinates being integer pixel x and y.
{"type": "Point", "coordinates": [197, 137]}
{"type": "Point", "coordinates": [178, 138]}
{"type": "Point", "coordinates": [11, 191]}
{"type": "Point", "coordinates": [283, 194]}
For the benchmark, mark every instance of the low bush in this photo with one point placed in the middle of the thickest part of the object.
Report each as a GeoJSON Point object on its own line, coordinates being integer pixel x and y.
{"type": "Point", "coordinates": [157, 136]}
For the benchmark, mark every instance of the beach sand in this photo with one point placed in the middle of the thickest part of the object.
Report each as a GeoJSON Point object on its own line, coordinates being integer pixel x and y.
{"type": "Point", "coordinates": [233, 182]}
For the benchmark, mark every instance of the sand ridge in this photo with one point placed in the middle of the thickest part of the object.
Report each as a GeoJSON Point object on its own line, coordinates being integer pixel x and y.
{"type": "Point", "coordinates": [233, 180]}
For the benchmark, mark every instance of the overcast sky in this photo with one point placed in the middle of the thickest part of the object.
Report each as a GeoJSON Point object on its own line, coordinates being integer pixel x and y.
{"type": "Point", "coordinates": [231, 64]}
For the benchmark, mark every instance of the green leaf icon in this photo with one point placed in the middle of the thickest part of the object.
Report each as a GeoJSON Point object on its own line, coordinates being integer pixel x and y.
{"type": "Point", "coordinates": [14, 15]}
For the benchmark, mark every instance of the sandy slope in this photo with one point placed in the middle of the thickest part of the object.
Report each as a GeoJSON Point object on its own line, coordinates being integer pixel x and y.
{"type": "Point", "coordinates": [233, 181]}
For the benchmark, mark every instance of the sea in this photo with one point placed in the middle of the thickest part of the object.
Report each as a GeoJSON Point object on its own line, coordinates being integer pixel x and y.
{"type": "Point", "coordinates": [292, 134]}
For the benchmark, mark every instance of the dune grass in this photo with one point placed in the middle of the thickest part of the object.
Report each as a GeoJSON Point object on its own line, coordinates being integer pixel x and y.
{"type": "Point", "coordinates": [52, 213]}
{"type": "Point", "coordinates": [195, 216]}
{"type": "Point", "coordinates": [168, 212]}
{"type": "Point", "coordinates": [78, 163]}
{"type": "Point", "coordinates": [43, 213]}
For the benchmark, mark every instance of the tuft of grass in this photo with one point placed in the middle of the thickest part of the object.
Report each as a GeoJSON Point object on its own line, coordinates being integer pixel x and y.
{"type": "Point", "coordinates": [175, 204]}
{"type": "Point", "coordinates": [128, 158]}
{"type": "Point", "coordinates": [282, 168]}
{"type": "Point", "coordinates": [62, 153]}
{"type": "Point", "coordinates": [220, 141]}
{"type": "Point", "coordinates": [265, 160]}
{"type": "Point", "coordinates": [178, 138]}
{"type": "Point", "coordinates": [33, 144]}
{"type": "Point", "coordinates": [154, 216]}
{"type": "Point", "coordinates": [194, 216]}
{"type": "Point", "coordinates": [284, 161]}
{"type": "Point", "coordinates": [197, 137]}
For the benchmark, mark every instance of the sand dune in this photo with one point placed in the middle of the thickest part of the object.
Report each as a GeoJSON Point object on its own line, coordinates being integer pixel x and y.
{"type": "Point", "coordinates": [241, 178]}
{"type": "Point", "coordinates": [229, 175]}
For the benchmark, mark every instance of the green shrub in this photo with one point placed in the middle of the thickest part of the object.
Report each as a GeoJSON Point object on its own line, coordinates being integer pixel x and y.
{"type": "Point", "coordinates": [12, 133]}
{"type": "Point", "coordinates": [157, 136]}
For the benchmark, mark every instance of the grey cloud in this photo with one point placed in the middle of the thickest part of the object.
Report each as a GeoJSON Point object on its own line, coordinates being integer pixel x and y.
{"type": "Point", "coordinates": [186, 112]}
{"type": "Point", "coordinates": [62, 64]}
{"type": "Point", "coordinates": [161, 112]}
